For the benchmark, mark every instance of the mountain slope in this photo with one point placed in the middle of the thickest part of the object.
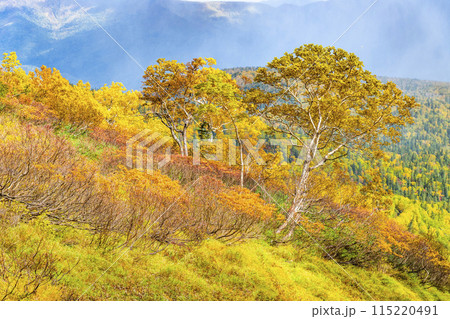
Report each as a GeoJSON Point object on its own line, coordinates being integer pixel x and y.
{"type": "Point", "coordinates": [213, 271]}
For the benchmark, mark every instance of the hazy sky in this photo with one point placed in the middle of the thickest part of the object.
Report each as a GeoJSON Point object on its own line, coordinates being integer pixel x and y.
{"type": "Point", "coordinates": [275, 2]}
{"type": "Point", "coordinates": [395, 38]}
{"type": "Point", "coordinates": [297, 1]}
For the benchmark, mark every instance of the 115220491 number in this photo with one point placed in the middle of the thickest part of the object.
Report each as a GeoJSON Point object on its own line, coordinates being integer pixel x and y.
{"type": "Point", "coordinates": [382, 310]}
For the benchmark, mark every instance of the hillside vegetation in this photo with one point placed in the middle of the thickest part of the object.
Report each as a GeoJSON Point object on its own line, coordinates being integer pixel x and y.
{"type": "Point", "coordinates": [78, 222]}
{"type": "Point", "coordinates": [417, 168]}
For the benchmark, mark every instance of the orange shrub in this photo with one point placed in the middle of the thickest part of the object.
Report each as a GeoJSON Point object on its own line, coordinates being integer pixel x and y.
{"type": "Point", "coordinates": [365, 238]}
{"type": "Point", "coordinates": [245, 202]}
{"type": "Point", "coordinates": [226, 213]}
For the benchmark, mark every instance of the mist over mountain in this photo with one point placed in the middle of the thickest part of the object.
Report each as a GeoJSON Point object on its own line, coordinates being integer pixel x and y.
{"type": "Point", "coordinates": [394, 38]}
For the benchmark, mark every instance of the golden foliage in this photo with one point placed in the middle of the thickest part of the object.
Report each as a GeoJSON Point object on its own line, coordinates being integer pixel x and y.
{"type": "Point", "coordinates": [243, 201]}
{"type": "Point", "coordinates": [73, 104]}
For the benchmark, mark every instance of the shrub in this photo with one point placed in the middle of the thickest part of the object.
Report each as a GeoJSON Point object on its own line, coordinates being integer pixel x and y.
{"type": "Point", "coordinates": [227, 213]}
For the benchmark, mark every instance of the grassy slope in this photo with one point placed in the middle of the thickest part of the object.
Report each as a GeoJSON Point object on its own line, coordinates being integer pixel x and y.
{"type": "Point", "coordinates": [213, 271]}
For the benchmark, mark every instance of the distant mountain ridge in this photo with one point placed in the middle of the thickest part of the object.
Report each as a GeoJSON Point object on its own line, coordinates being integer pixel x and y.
{"type": "Point", "coordinates": [414, 87]}
{"type": "Point", "coordinates": [396, 38]}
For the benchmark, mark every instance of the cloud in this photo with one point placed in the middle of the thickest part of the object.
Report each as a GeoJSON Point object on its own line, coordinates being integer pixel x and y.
{"type": "Point", "coordinates": [61, 18]}
{"type": "Point", "coordinates": [6, 25]}
{"type": "Point", "coordinates": [225, 1]}
{"type": "Point", "coordinates": [28, 67]}
{"type": "Point", "coordinates": [44, 52]}
{"type": "Point", "coordinates": [4, 4]}
{"type": "Point", "coordinates": [218, 12]}
{"type": "Point", "coordinates": [270, 2]}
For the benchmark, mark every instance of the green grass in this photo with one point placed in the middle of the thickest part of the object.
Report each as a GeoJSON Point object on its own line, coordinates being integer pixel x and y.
{"type": "Point", "coordinates": [84, 144]}
{"type": "Point", "coordinates": [253, 270]}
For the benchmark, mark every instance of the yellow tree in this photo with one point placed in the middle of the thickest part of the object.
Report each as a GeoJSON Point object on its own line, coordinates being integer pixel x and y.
{"type": "Point", "coordinates": [13, 78]}
{"type": "Point", "coordinates": [223, 106]}
{"type": "Point", "coordinates": [224, 110]}
{"type": "Point", "coordinates": [120, 108]}
{"type": "Point", "coordinates": [324, 99]}
{"type": "Point", "coordinates": [74, 104]}
{"type": "Point", "coordinates": [170, 88]}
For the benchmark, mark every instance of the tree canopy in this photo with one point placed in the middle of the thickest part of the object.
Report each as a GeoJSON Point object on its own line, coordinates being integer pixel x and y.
{"type": "Point", "coordinates": [170, 88]}
{"type": "Point", "coordinates": [324, 99]}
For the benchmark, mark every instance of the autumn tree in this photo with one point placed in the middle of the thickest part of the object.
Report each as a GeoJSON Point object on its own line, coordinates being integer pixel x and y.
{"type": "Point", "coordinates": [323, 98]}
{"type": "Point", "coordinates": [225, 108]}
{"type": "Point", "coordinates": [73, 104]}
{"type": "Point", "coordinates": [13, 79]}
{"type": "Point", "coordinates": [170, 89]}
{"type": "Point", "coordinates": [120, 109]}
{"type": "Point", "coordinates": [117, 104]}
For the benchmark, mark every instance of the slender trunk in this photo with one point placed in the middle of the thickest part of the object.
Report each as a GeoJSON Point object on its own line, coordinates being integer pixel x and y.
{"type": "Point", "coordinates": [241, 150]}
{"type": "Point", "coordinates": [178, 140]}
{"type": "Point", "coordinates": [186, 153]}
{"type": "Point", "coordinates": [298, 205]}
{"type": "Point", "coordinates": [183, 144]}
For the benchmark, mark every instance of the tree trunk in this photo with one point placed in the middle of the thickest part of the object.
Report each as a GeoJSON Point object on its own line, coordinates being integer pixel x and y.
{"type": "Point", "coordinates": [298, 204]}
{"type": "Point", "coordinates": [177, 139]}
{"type": "Point", "coordinates": [241, 150]}
{"type": "Point", "coordinates": [186, 153]}
{"type": "Point", "coordinates": [182, 142]}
